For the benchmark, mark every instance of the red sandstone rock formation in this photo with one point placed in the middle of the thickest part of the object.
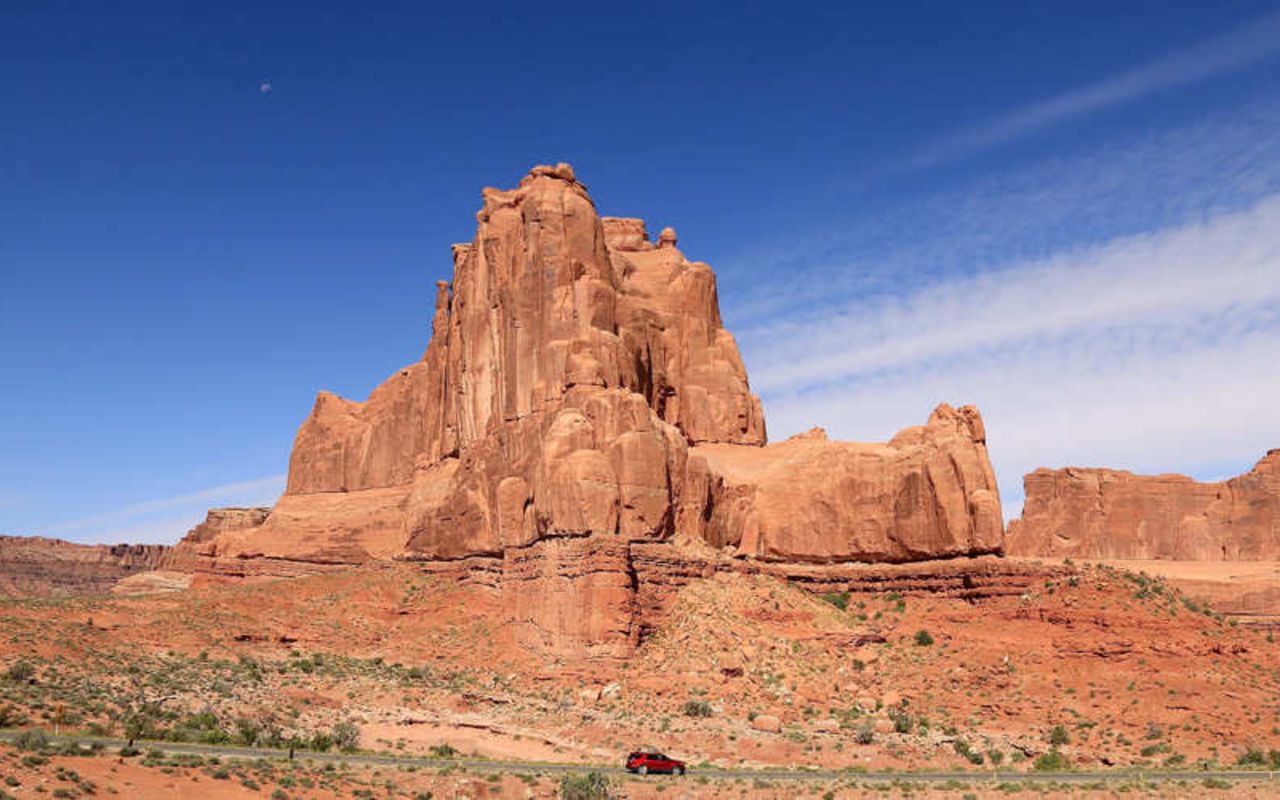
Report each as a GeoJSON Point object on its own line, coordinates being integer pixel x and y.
{"type": "Point", "coordinates": [1103, 513]}
{"type": "Point", "coordinates": [220, 520]}
{"type": "Point", "coordinates": [33, 566]}
{"type": "Point", "coordinates": [579, 394]}
{"type": "Point", "coordinates": [929, 493]}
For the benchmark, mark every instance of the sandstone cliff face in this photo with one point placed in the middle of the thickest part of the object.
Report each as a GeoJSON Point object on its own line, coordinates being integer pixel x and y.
{"type": "Point", "coordinates": [33, 566]}
{"type": "Point", "coordinates": [580, 394]}
{"type": "Point", "coordinates": [220, 520]}
{"type": "Point", "coordinates": [1102, 513]}
{"type": "Point", "coordinates": [928, 493]}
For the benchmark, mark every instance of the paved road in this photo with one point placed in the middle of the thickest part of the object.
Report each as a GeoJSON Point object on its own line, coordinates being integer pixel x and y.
{"type": "Point", "coordinates": [483, 765]}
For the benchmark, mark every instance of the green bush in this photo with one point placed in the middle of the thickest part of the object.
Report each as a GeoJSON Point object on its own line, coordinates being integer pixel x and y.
{"type": "Point", "coordinates": [247, 731]}
{"type": "Point", "coordinates": [346, 736]}
{"type": "Point", "coordinates": [592, 786]}
{"type": "Point", "coordinates": [865, 734]}
{"type": "Point", "coordinates": [697, 708]}
{"type": "Point", "coordinates": [1058, 736]}
{"type": "Point", "coordinates": [321, 742]}
{"type": "Point", "coordinates": [445, 750]}
{"type": "Point", "coordinates": [967, 753]}
{"type": "Point", "coordinates": [902, 722]}
{"type": "Point", "coordinates": [32, 739]}
{"type": "Point", "coordinates": [838, 599]}
{"type": "Point", "coordinates": [20, 671]}
{"type": "Point", "coordinates": [1253, 757]}
{"type": "Point", "coordinates": [924, 638]}
{"type": "Point", "coordinates": [1052, 761]}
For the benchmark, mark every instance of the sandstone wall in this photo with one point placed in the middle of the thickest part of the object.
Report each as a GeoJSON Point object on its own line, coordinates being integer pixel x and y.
{"type": "Point", "coordinates": [1103, 513]}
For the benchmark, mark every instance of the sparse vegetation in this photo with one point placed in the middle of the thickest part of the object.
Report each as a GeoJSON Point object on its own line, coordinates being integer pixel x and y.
{"type": "Point", "coordinates": [1051, 761]}
{"type": "Point", "coordinates": [592, 786]}
{"type": "Point", "coordinates": [838, 599]}
{"type": "Point", "coordinates": [1059, 736]}
{"type": "Point", "coordinates": [697, 708]}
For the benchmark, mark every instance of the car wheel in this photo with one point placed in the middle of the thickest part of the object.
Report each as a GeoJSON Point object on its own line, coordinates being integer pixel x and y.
{"type": "Point", "coordinates": [679, 770]}
{"type": "Point", "coordinates": [644, 770]}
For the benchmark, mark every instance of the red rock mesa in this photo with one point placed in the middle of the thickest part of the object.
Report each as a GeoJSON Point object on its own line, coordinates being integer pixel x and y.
{"type": "Point", "coordinates": [580, 398]}
{"type": "Point", "coordinates": [1103, 513]}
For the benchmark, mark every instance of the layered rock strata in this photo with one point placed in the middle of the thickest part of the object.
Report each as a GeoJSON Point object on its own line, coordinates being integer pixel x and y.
{"type": "Point", "coordinates": [1103, 513]}
{"type": "Point", "coordinates": [580, 394]}
{"type": "Point", "coordinates": [34, 566]}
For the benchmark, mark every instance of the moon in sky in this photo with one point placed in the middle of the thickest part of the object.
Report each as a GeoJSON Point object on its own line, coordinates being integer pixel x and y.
{"type": "Point", "coordinates": [264, 87]}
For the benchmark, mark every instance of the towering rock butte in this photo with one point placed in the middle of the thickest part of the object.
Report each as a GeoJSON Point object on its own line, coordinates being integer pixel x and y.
{"type": "Point", "coordinates": [579, 396]}
{"type": "Point", "coordinates": [1103, 513]}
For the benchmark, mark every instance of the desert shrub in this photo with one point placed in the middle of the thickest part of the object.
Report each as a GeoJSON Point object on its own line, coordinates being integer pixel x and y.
{"type": "Point", "coordinates": [346, 736]}
{"type": "Point", "coordinates": [838, 599]}
{"type": "Point", "coordinates": [20, 671]}
{"type": "Point", "coordinates": [902, 722]}
{"type": "Point", "coordinates": [966, 752]}
{"type": "Point", "coordinates": [697, 708]}
{"type": "Point", "coordinates": [444, 750]}
{"type": "Point", "coordinates": [1058, 736]}
{"type": "Point", "coordinates": [247, 731]}
{"type": "Point", "coordinates": [10, 716]}
{"type": "Point", "coordinates": [865, 734]}
{"type": "Point", "coordinates": [1253, 757]}
{"type": "Point", "coordinates": [924, 638]}
{"type": "Point", "coordinates": [1052, 761]}
{"type": "Point", "coordinates": [320, 742]}
{"type": "Point", "coordinates": [32, 739]}
{"type": "Point", "coordinates": [592, 786]}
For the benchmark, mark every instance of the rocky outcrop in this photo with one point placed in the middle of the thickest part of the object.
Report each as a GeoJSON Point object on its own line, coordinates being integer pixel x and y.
{"type": "Point", "coordinates": [220, 520]}
{"type": "Point", "coordinates": [579, 394]}
{"type": "Point", "coordinates": [34, 566]}
{"type": "Point", "coordinates": [928, 493]}
{"type": "Point", "coordinates": [1103, 513]}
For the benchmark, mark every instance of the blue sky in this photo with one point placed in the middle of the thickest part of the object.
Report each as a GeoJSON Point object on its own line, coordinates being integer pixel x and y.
{"type": "Point", "coordinates": [1068, 214]}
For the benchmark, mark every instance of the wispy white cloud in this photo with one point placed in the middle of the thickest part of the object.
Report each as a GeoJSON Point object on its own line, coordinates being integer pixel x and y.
{"type": "Point", "coordinates": [1247, 44]}
{"type": "Point", "coordinates": [1228, 267]}
{"type": "Point", "coordinates": [166, 519]}
{"type": "Point", "coordinates": [1149, 181]}
{"type": "Point", "coordinates": [1156, 352]}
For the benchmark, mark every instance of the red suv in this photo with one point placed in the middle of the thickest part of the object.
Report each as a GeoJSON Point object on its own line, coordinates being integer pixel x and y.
{"type": "Point", "coordinates": [644, 763]}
